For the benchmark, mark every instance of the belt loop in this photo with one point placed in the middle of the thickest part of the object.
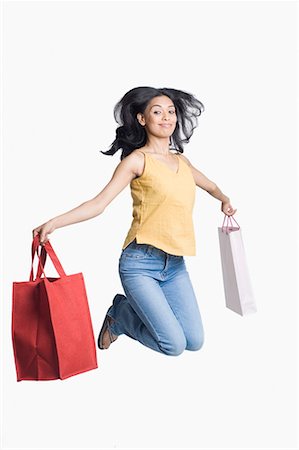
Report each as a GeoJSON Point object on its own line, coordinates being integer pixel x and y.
{"type": "Point", "coordinates": [166, 262]}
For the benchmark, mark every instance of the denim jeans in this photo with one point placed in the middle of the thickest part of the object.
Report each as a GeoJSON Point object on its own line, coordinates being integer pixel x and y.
{"type": "Point", "coordinates": [159, 308]}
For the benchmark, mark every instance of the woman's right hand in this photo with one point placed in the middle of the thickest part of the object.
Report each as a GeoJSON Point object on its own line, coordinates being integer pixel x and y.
{"type": "Point", "coordinates": [43, 231]}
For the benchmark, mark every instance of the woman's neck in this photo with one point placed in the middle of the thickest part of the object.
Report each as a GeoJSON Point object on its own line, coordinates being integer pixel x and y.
{"type": "Point", "coordinates": [155, 147]}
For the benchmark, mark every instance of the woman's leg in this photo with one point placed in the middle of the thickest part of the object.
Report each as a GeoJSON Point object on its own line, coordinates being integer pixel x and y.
{"type": "Point", "coordinates": [182, 300]}
{"type": "Point", "coordinates": [145, 315]}
{"type": "Point", "coordinates": [159, 308]}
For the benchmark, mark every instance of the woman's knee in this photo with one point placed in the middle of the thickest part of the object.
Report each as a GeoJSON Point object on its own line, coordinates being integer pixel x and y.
{"type": "Point", "coordinates": [195, 343]}
{"type": "Point", "coordinates": [174, 347]}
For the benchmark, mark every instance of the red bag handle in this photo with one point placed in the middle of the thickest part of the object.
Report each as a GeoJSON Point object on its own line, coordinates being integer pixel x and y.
{"type": "Point", "coordinates": [229, 219]}
{"type": "Point", "coordinates": [43, 257]}
{"type": "Point", "coordinates": [46, 249]}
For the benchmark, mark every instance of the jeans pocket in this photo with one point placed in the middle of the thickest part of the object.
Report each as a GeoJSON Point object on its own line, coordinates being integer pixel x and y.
{"type": "Point", "coordinates": [136, 251]}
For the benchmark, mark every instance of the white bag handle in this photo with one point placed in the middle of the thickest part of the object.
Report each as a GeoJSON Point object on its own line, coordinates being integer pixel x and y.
{"type": "Point", "coordinates": [229, 219]}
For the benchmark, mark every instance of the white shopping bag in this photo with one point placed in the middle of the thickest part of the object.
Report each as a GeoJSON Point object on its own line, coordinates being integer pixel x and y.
{"type": "Point", "coordinates": [237, 285]}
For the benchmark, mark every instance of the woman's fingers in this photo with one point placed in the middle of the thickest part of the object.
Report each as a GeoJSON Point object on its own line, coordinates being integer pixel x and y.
{"type": "Point", "coordinates": [35, 233]}
{"type": "Point", "coordinates": [42, 232]}
{"type": "Point", "coordinates": [228, 209]}
{"type": "Point", "coordinates": [43, 238]}
{"type": "Point", "coordinates": [230, 212]}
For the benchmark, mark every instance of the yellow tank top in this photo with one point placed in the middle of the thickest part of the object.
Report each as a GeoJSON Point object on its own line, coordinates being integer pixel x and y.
{"type": "Point", "coordinates": [162, 207]}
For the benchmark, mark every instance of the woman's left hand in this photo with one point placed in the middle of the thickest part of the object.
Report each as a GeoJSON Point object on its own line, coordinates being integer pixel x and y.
{"type": "Point", "coordinates": [227, 209]}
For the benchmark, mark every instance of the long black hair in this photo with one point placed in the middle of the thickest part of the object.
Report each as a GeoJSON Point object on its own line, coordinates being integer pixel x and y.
{"type": "Point", "coordinates": [131, 134]}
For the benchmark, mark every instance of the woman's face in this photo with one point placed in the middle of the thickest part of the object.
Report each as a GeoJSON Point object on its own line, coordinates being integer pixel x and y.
{"type": "Point", "coordinates": [159, 117]}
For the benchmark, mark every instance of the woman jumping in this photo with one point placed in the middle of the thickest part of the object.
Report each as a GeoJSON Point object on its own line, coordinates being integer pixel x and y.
{"type": "Point", "coordinates": [159, 308]}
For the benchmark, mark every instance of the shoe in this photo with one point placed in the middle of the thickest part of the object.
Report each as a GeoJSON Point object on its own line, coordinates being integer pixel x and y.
{"type": "Point", "coordinates": [106, 337]}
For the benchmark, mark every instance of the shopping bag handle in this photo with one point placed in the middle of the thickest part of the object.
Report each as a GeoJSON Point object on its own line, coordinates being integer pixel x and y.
{"type": "Point", "coordinates": [229, 222]}
{"type": "Point", "coordinates": [39, 269]}
{"type": "Point", "coordinates": [46, 249]}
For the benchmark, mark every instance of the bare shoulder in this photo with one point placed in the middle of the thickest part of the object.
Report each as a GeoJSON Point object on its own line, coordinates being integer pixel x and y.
{"type": "Point", "coordinates": [184, 158]}
{"type": "Point", "coordinates": [135, 161]}
{"type": "Point", "coordinates": [138, 153]}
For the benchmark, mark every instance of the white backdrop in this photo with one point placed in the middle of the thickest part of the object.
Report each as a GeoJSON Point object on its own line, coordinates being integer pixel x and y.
{"type": "Point", "coordinates": [65, 65]}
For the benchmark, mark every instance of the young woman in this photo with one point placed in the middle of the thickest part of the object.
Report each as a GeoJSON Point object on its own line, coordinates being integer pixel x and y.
{"type": "Point", "coordinates": [159, 308]}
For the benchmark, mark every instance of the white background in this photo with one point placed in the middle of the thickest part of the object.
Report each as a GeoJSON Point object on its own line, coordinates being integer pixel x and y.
{"type": "Point", "coordinates": [65, 65]}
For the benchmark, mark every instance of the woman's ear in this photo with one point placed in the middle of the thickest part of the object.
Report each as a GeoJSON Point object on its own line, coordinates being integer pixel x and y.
{"type": "Point", "coordinates": [140, 119]}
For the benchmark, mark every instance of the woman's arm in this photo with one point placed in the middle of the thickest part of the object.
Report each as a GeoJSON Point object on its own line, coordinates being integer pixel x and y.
{"type": "Point", "coordinates": [204, 183]}
{"type": "Point", "coordinates": [126, 170]}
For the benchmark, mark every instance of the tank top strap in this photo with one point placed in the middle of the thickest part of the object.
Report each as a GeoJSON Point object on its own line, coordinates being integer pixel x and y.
{"type": "Point", "coordinates": [146, 159]}
{"type": "Point", "coordinates": [148, 164]}
{"type": "Point", "coordinates": [141, 151]}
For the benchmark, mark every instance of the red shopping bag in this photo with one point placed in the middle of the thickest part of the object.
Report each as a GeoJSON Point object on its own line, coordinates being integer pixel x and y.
{"type": "Point", "coordinates": [51, 325]}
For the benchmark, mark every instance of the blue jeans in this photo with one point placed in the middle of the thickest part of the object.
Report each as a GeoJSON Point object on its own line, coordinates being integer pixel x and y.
{"type": "Point", "coordinates": [159, 309]}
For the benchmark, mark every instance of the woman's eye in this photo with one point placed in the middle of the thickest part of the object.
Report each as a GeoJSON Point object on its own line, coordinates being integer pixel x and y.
{"type": "Point", "coordinates": [172, 112]}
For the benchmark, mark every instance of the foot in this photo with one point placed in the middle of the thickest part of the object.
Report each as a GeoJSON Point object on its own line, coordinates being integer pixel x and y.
{"type": "Point", "coordinates": [106, 337]}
